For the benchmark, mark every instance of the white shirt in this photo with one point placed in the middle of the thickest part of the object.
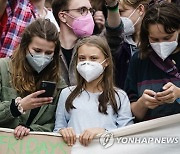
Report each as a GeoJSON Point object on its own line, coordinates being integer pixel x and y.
{"type": "Point", "coordinates": [50, 16]}
{"type": "Point", "coordinates": [86, 114]}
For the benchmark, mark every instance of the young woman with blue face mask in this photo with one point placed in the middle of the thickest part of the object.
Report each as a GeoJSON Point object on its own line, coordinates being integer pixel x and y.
{"type": "Point", "coordinates": [153, 80]}
{"type": "Point", "coordinates": [94, 105]}
{"type": "Point", "coordinates": [34, 60]}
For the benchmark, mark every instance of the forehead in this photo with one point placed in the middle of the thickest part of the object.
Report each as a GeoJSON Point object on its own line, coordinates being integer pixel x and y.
{"type": "Point", "coordinates": [156, 30]}
{"type": "Point", "coordinates": [123, 6]}
{"type": "Point", "coordinates": [78, 4]}
{"type": "Point", "coordinates": [41, 43]}
{"type": "Point", "coordinates": [89, 50]}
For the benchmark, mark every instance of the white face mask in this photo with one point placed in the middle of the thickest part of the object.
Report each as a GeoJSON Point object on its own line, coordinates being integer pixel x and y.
{"type": "Point", "coordinates": [164, 49]}
{"type": "Point", "coordinates": [90, 70]}
{"type": "Point", "coordinates": [38, 62]}
{"type": "Point", "coordinates": [128, 26]}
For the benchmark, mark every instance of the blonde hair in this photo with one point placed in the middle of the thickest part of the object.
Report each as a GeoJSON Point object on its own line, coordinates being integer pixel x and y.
{"type": "Point", "coordinates": [134, 3]}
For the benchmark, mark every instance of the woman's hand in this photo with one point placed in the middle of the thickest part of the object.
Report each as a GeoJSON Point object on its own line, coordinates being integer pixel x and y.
{"type": "Point", "coordinates": [86, 137]}
{"type": "Point", "coordinates": [68, 135]}
{"type": "Point", "coordinates": [21, 131]}
{"type": "Point", "coordinates": [33, 101]}
{"type": "Point", "coordinates": [169, 94]}
{"type": "Point", "coordinates": [148, 99]}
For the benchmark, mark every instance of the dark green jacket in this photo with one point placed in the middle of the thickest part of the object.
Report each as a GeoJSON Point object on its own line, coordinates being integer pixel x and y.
{"type": "Point", "coordinates": [43, 121]}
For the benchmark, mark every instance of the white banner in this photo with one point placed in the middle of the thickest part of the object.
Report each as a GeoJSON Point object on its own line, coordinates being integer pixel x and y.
{"type": "Point", "coordinates": [158, 136]}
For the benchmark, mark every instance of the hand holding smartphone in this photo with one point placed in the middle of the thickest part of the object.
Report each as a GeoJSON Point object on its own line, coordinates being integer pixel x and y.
{"type": "Point", "coordinates": [49, 88]}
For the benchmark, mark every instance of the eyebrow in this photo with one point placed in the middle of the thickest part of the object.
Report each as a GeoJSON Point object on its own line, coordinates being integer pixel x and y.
{"type": "Point", "coordinates": [85, 55]}
{"type": "Point", "coordinates": [35, 48]}
{"type": "Point", "coordinates": [169, 35]}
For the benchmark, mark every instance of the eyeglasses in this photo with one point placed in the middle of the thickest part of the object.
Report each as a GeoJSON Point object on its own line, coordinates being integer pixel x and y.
{"type": "Point", "coordinates": [83, 10]}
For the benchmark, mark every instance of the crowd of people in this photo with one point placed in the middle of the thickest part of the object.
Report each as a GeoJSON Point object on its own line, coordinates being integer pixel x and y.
{"type": "Point", "coordinates": [114, 62]}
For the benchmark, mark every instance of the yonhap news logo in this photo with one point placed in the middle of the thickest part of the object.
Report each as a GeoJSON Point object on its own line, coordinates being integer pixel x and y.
{"type": "Point", "coordinates": [108, 139]}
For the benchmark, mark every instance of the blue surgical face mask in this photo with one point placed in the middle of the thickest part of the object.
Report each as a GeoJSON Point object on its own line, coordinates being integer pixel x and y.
{"type": "Point", "coordinates": [38, 61]}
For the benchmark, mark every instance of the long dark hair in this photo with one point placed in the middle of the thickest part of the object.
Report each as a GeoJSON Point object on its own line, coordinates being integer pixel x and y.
{"type": "Point", "coordinates": [164, 13]}
{"type": "Point", "coordinates": [108, 94]}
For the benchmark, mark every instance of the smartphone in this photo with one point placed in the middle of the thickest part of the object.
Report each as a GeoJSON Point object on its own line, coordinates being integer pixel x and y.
{"type": "Point", "coordinates": [161, 90]}
{"type": "Point", "coordinates": [49, 88]}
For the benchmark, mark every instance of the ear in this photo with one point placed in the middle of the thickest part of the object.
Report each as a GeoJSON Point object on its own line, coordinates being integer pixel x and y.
{"type": "Point", "coordinates": [106, 63]}
{"type": "Point", "coordinates": [62, 17]}
{"type": "Point", "coordinates": [141, 10]}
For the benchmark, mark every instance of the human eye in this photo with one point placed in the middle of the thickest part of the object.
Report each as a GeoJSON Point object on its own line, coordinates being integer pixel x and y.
{"type": "Point", "coordinates": [92, 11]}
{"type": "Point", "coordinates": [167, 38]}
{"type": "Point", "coordinates": [94, 58]}
{"type": "Point", "coordinates": [81, 58]}
{"type": "Point", "coordinates": [48, 52]}
{"type": "Point", "coordinates": [153, 39]}
{"type": "Point", "coordinates": [120, 11]}
{"type": "Point", "coordinates": [36, 50]}
{"type": "Point", "coordinates": [84, 10]}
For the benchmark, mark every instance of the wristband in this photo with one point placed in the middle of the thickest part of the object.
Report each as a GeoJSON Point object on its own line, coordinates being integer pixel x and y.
{"type": "Point", "coordinates": [18, 104]}
{"type": "Point", "coordinates": [113, 8]}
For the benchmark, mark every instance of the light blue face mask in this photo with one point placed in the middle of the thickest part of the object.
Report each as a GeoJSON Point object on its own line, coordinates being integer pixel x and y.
{"type": "Point", "coordinates": [38, 61]}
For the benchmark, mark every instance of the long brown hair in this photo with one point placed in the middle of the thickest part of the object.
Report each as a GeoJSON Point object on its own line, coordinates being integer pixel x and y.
{"type": "Point", "coordinates": [24, 79]}
{"type": "Point", "coordinates": [164, 13]}
{"type": "Point", "coordinates": [108, 94]}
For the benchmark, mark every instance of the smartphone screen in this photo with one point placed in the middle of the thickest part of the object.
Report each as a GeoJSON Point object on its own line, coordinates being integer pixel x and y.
{"type": "Point", "coordinates": [49, 88]}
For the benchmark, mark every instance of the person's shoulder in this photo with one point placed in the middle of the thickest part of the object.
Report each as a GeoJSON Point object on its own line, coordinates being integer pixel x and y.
{"type": "Point", "coordinates": [4, 61]}
{"type": "Point", "coordinates": [121, 97]}
{"type": "Point", "coordinates": [120, 92]}
{"type": "Point", "coordinates": [68, 89]}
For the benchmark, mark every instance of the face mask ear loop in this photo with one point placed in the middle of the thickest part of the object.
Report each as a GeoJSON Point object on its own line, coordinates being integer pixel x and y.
{"type": "Point", "coordinates": [70, 17]}
{"type": "Point", "coordinates": [132, 13]}
{"type": "Point", "coordinates": [136, 21]}
{"type": "Point", "coordinates": [103, 61]}
{"type": "Point", "coordinates": [30, 53]}
{"type": "Point", "coordinates": [177, 37]}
